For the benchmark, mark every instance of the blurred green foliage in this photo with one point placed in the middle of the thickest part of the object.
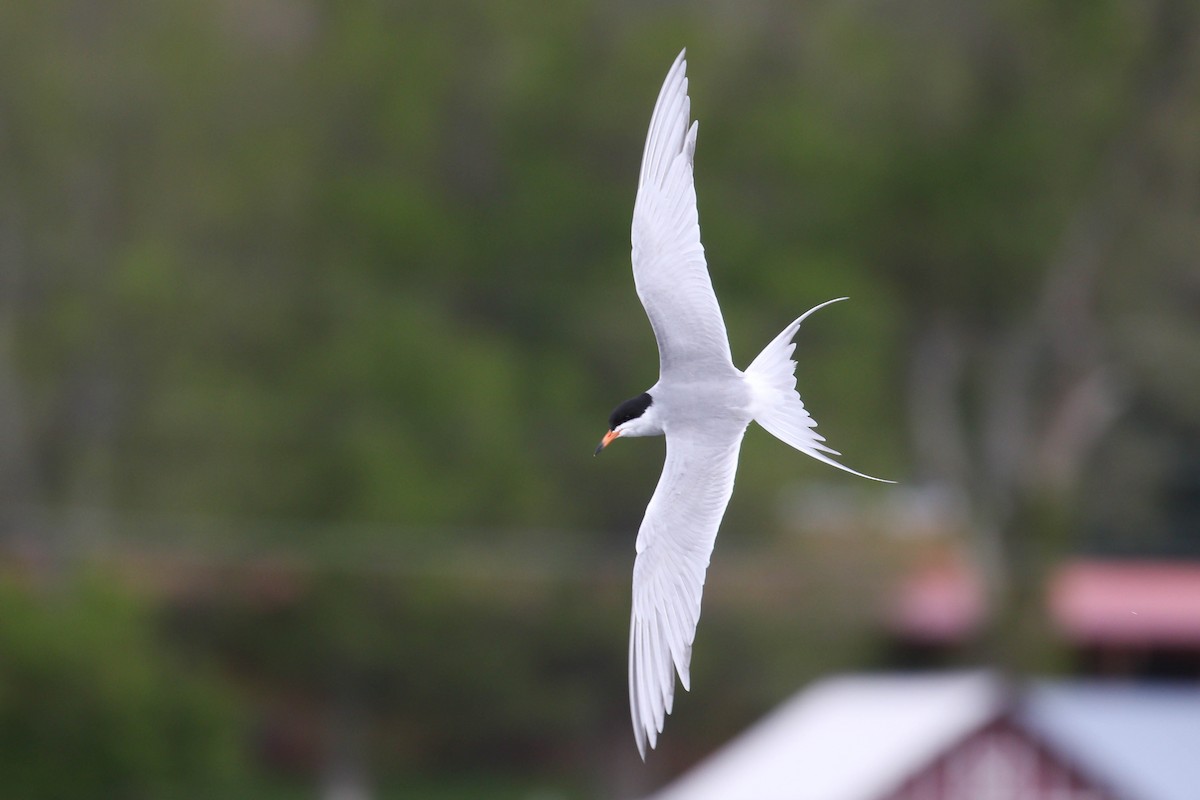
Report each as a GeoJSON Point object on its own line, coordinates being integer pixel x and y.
{"type": "Point", "coordinates": [92, 704]}
{"type": "Point", "coordinates": [364, 260]}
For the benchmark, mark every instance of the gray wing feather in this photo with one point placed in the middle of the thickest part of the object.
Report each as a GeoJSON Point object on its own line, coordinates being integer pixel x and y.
{"type": "Point", "coordinates": [669, 269]}
{"type": "Point", "coordinates": [674, 544]}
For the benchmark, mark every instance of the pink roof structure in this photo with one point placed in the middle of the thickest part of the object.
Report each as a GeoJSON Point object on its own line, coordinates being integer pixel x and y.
{"type": "Point", "coordinates": [1131, 603]}
{"type": "Point", "coordinates": [941, 601]}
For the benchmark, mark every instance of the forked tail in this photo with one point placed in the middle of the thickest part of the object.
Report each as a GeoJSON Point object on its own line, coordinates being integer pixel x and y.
{"type": "Point", "coordinates": [776, 403]}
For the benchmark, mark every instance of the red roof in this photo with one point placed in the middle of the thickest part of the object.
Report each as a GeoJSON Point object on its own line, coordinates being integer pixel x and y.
{"type": "Point", "coordinates": [1127, 603]}
{"type": "Point", "coordinates": [941, 601]}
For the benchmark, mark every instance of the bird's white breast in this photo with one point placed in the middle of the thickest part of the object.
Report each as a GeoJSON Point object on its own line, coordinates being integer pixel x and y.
{"type": "Point", "coordinates": [708, 402]}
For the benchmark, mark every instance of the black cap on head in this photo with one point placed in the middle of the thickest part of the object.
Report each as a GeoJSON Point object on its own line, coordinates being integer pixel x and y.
{"type": "Point", "coordinates": [630, 409]}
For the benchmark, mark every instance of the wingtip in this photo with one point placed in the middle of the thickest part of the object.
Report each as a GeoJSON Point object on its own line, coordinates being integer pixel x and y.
{"type": "Point", "coordinates": [639, 738]}
{"type": "Point", "coordinates": [680, 62]}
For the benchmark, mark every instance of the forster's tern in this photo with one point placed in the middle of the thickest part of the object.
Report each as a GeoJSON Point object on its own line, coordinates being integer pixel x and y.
{"type": "Point", "coordinates": [702, 403]}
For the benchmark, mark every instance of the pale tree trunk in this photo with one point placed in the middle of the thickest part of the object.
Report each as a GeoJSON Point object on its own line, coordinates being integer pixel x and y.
{"type": "Point", "coordinates": [345, 771]}
{"type": "Point", "coordinates": [1011, 421]}
{"type": "Point", "coordinates": [17, 476]}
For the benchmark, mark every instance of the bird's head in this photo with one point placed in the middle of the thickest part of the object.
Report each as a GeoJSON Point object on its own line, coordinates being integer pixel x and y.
{"type": "Point", "coordinates": [635, 417]}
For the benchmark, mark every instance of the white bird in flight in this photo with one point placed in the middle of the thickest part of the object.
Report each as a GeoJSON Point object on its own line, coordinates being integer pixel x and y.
{"type": "Point", "coordinates": [702, 403]}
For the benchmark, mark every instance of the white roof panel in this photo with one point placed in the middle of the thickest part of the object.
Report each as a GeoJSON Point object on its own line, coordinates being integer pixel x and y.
{"type": "Point", "coordinates": [845, 738]}
{"type": "Point", "coordinates": [1141, 740]}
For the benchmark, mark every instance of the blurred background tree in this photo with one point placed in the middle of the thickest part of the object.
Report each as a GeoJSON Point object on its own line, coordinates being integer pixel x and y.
{"type": "Point", "coordinates": [342, 289]}
{"type": "Point", "coordinates": [90, 704]}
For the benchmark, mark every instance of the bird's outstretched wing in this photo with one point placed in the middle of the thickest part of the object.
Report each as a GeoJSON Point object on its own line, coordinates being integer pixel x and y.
{"type": "Point", "coordinates": [673, 548]}
{"type": "Point", "coordinates": [668, 260]}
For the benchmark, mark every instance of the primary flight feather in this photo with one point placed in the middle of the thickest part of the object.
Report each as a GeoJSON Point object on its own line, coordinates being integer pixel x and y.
{"type": "Point", "coordinates": [702, 403]}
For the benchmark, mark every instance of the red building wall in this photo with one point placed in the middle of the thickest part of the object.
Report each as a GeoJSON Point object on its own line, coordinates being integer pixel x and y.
{"type": "Point", "coordinates": [999, 762]}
